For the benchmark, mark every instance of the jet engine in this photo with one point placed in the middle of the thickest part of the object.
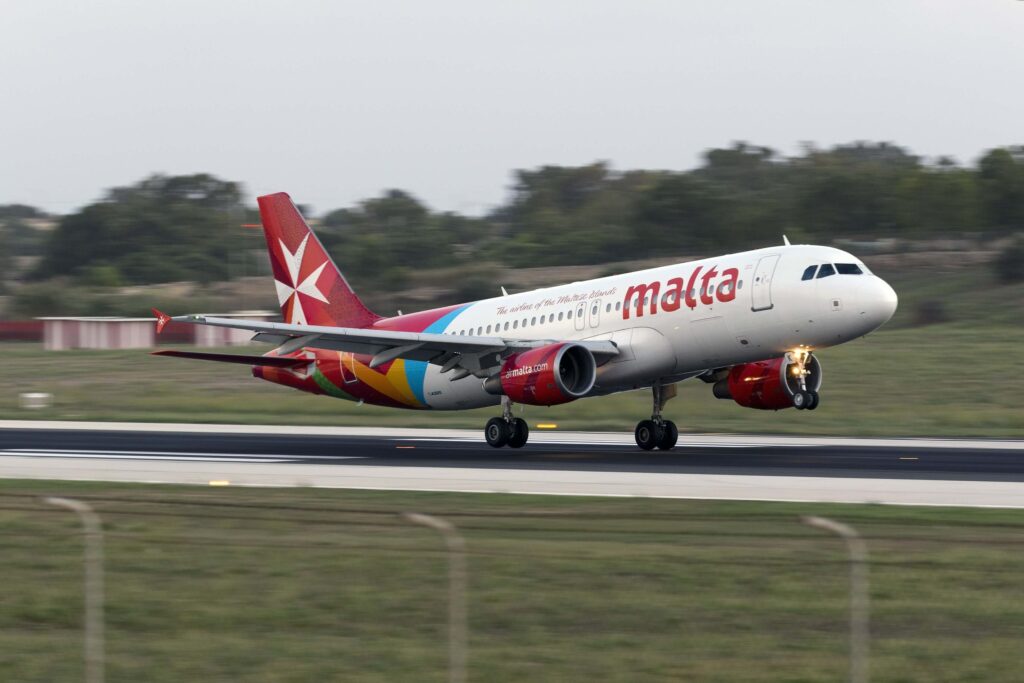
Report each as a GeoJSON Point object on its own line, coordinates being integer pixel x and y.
{"type": "Point", "coordinates": [773, 384]}
{"type": "Point", "coordinates": [546, 376]}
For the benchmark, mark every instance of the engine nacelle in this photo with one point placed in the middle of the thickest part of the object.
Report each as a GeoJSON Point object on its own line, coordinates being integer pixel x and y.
{"type": "Point", "coordinates": [768, 384]}
{"type": "Point", "coordinates": [546, 376]}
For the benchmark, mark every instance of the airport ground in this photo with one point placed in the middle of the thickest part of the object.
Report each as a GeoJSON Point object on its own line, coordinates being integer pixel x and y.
{"type": "Point", "coordinates": [940, 380]}
{"type": "Point", "coordinates": [265, 584]}
{"type": "Point", "coordinates": [278, 584]}
{"type": "Point", "coordinates": [291, 582]}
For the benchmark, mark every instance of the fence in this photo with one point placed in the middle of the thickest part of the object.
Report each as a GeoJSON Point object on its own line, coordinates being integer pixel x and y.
{"type": "Point", "coordinates": [233, 584]}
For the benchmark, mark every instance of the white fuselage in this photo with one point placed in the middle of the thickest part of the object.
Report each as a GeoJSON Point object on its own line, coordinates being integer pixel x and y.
{"type": "Point", "coordinates": [682, 319]}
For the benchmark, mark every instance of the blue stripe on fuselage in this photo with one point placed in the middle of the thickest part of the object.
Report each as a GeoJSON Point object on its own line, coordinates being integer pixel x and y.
{"type": "Point", "coordinates": [416, 370]}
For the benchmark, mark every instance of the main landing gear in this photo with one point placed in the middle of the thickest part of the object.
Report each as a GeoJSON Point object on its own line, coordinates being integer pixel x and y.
{"type": "Point", "coordinates": [658, 432]}
{"type": "Point", "coordinates": [803, 398]}
{"type": "Point", "coordinates": [506, 430]}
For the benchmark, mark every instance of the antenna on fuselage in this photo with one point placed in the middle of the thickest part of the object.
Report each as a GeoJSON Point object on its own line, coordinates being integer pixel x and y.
{"type": "Point", "coordinates": [503, 292]}
{"type": "Point", "coordinates": [785, 240]}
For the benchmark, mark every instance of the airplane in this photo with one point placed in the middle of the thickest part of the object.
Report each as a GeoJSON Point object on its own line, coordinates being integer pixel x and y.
{"type": "Point", "coordinates": [749, 324]}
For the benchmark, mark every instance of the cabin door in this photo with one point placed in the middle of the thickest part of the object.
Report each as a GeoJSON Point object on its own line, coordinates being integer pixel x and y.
{"type": "Point", "coordinates": [761, 287]}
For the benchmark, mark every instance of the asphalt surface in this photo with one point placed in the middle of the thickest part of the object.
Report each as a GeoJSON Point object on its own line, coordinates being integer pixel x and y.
{"type": "Point", "coordinates": [594, 453]}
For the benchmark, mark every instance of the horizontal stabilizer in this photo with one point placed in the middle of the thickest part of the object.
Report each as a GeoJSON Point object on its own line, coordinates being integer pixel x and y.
{"type": "Point", "coordinates": [272, 361]}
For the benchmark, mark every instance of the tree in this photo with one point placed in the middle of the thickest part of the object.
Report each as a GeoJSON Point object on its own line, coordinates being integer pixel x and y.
{"type": "Point", "coordinates": [160, 230]}
{"type": "Point", "coordinates": [1001, 181]}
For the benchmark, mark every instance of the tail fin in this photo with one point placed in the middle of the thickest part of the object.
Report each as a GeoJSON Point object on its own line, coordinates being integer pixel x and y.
{"type": "Point", "coordinates": [310, 288]}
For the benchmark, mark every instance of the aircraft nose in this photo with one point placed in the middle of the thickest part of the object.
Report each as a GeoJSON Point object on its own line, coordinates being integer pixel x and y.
{"type": "Point", "coordinates": [880, 303]}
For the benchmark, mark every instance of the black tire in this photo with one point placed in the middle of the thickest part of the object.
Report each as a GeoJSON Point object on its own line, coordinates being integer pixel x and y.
{"type": "Point", "coordinates": [815, 400]}
{"type": "Point", "coordinates": [669, 435]}
{"type": "Point", "coordinates": [496, 432]}
{"type": "Point", "coordinates": [646, 434]}
{"type": "Point", "coordinates": [801, 399]}
{"type": "Point", "coordinates": [519, 433]}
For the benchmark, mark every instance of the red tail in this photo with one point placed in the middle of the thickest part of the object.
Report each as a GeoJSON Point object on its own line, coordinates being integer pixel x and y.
{"type": "Point", "coordinates": [310, 288]}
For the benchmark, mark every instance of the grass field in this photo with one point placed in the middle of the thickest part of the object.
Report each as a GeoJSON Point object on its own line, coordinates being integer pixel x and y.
{"type": "Point", "coordinates": [954, 378]}
{"type": "Point", "coordinates": [226, 584]}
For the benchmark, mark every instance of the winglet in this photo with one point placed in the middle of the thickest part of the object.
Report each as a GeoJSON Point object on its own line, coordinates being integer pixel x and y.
{"type": "Point", "coordinates": [161, 320]}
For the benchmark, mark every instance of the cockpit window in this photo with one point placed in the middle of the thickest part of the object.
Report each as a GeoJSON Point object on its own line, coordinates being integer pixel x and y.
{"type": "Point", "coordinates": [848, 269]}
{"type": "Point", "coordinates": [809, 273]}
{"type": "Point", "coordinates": [826, 270]}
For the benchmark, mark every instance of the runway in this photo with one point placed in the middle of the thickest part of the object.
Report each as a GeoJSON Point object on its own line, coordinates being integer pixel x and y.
{"type": "Point", "coordinates": [896, 471]}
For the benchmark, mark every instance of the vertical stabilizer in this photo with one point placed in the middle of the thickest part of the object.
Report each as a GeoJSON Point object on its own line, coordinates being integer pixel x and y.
{"type": "Point", "coordinates": [310, 288]}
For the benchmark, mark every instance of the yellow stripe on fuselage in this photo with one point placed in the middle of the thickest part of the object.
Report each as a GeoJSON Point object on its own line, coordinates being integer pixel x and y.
{"type": "Point", "coordinates": [394, 384]}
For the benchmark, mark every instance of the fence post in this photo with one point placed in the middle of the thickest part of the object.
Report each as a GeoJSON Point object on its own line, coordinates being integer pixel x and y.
{"type": "Point", "coordinates": [456, 592]}
{"type": "Point", "coordinates": [859, 598]}
{"type": "Point", "coordinates": [93, 532]}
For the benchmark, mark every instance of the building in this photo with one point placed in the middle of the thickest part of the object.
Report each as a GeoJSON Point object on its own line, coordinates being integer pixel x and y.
{"type": "Point", "coordinates": [62, 333]}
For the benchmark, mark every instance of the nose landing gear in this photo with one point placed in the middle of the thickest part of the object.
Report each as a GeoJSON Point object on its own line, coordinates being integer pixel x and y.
{"type": "Point", "coordinates": [506, 430]}
{"type": "Point", "coordinates": [803, 398]}
{"type": "Point", "coordinates": [658, 432]}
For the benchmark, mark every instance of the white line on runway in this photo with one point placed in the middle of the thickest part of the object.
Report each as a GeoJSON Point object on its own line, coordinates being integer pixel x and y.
{"type": "Point", "coordinates": [138, 455]}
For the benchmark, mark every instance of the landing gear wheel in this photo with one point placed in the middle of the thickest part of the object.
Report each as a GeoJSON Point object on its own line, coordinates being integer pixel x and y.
{"type": "Point", "coordinates": [801, 399]}
{"type": "Point", "coordinates": [646, 434]}
{"type": "Point", "coordinates": [815, 400]}
{"type": "Point", "coordinates": [497, 432]}
{"type": "Point", "coordinates": [669, 435]}
{"type": "Point", "coordinates": [519, 432]}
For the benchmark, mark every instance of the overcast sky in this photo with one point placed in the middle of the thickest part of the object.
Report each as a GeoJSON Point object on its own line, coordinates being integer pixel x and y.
{"type": "Point", "coordinates": [336, 101]}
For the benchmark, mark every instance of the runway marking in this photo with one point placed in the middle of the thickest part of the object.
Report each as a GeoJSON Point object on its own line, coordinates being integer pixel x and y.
{"type": "Point", "coordinates": [138, 455]}
{"type": "Point", "coordinates": [168, 455]}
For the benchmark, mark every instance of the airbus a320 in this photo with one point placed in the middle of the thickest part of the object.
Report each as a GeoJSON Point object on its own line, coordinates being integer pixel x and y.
{"type": "Point", "coordinates": [748, 324]}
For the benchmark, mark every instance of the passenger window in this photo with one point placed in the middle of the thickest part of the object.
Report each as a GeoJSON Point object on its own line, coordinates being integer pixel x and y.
{"type": "Point", "coordinates": [488, 329]}
{"type": "Point", "coordinates": [506, 327]}
{"type": "Point", "coordinates": [568, 315]}
{"type": "Point", "coordinates": [515, 324]}
{"type": "Point", "coordinates": [739, 285]}
{"type": "Point", "coordinates": [618, 305]}
{"type": "Point", "coordinates": [533, 321]}
{"type": "Point", "coordinates": [826, 270]}
{"type": "Point", "coordinates": [809, 273]}
{"type": "Point", "coordinates": [848, 269]}
{"type": "Point", "coordinates": [560, 316]}
{"type": "Point", "coordinates": [479, 331]}
{"type": "Point", "coordinates": [608, 308]}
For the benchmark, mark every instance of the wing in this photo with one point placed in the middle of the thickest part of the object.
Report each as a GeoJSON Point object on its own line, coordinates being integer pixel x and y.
{"type": "Point", "coordinates": [466, 354]}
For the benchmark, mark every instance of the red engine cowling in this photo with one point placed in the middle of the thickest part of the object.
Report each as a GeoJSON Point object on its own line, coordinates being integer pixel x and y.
{"type": "Point", "coordinates": [767, 384]}
{"type": "Point", "coordinates": [546, 376]}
